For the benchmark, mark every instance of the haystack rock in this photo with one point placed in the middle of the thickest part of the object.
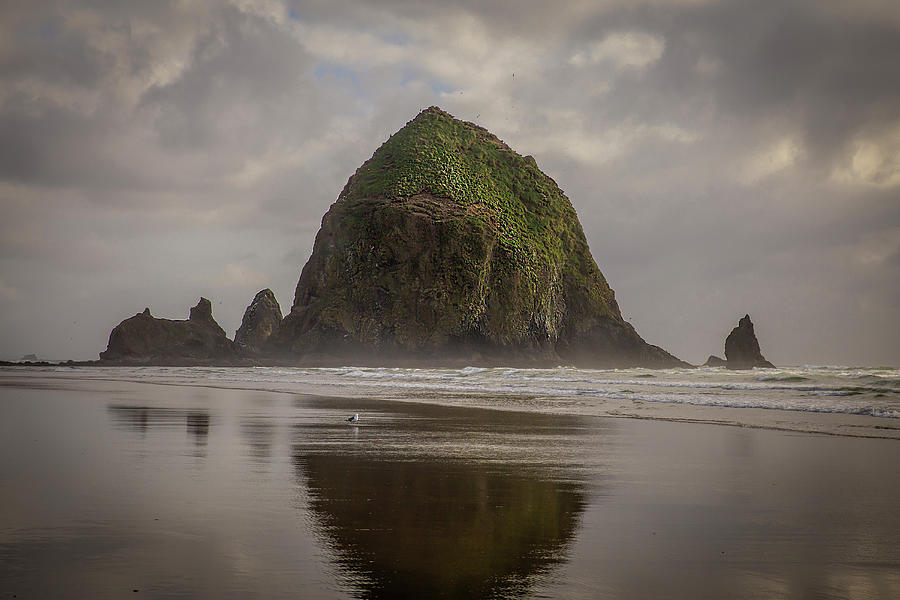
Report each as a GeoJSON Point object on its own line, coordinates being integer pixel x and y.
{"type": "Point", "coordinates": [145, 339]}
{"type": "Point", "coordinates": [742, 347]}
{"type": "Point", "coordinates": [447, 247]}
{"type": "Point", "coordinates": [261, 319]}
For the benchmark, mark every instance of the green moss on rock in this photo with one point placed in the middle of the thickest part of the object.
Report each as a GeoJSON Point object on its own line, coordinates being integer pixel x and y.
{"type": "Point", "coordinates": [442, 156]}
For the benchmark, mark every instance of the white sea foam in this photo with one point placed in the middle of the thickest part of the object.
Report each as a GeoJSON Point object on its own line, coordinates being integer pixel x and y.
{"type": "Point", "coordinates": [820, 389]}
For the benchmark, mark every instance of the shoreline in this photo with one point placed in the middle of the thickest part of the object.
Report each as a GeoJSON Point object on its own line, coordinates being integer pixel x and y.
{"type": "Point", "coordinates": [330, 362]}
{"type": "Point", "coordinates": [120, 481]}
{"type": "Point", "coordinates": [775, 419]}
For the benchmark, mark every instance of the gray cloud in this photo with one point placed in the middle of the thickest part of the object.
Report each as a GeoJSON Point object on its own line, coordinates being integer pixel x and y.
{"type": "Point", "coordinates": [724, 157]}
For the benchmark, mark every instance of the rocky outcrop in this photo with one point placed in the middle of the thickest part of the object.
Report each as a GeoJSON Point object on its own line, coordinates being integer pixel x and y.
{"type": "Point", "coordinates": [715, 361]}
{"type": "Point", "coordinates": [448, 247]}
{"type": "Point", "coordinates": [742, 347]}
{"type": "Point", "coordinates": [146, 339]}
{"type": "Point", "coordinates": [261, 319]}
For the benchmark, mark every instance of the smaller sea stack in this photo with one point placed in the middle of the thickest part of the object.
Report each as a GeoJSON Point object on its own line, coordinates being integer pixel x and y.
{"type": "Point", "coordinates": [145, 339]}
{"type": "Point", "coordinates": [715, 361]}
{"type": "Point", "coordinates": [742, 347]}
{"type": "Point", "coordinates": [261, 319]}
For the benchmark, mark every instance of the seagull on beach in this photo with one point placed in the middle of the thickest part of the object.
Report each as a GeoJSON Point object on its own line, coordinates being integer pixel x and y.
{"type": "Point", "coordinates": [353, 419]}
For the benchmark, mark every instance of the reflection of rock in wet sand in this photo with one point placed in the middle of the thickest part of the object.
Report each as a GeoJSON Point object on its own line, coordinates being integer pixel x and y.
{"type": "Point", "coordinates": [134, 418]}
{"type": "Point", "coordinates": [142, 418]}
{"type": "Point", "coordinates": [428, 529]}
{"type": "Point", "coordinates": [198, 427]}
{"type": "Point", "coordinates": [258, 434]}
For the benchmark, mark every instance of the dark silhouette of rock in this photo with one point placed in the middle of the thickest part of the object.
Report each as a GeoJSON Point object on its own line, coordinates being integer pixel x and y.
{"type": "Point", "coordinates": [742, 347]}
{"type": "Point", "coordinates": [447, 247]}
{"type": "Point", "coordinates": [715, 361]}
{"type": "Point", "coordinates": [202, 313]}
{"type": "Point", "coordinates": [146, 339]}
{"type": "Point", "coordinates": [261, 319]}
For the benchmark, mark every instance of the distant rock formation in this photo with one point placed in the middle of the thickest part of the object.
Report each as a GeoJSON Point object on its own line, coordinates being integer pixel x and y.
{"type": "Point", "coordinates": [261, 319]}
{"type": "Point", "coordinates": [447, 247]}
{"type": "Point", "coordinates": [742, 347]}
{"type": "Point", "coordinates": [146, 339]}
{"type": "Point", "coordinates": [29, 358]}
{"type": "Point", "coordinates": [715, 361]}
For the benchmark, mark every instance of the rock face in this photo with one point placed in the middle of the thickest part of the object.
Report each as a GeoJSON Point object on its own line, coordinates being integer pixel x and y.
{"type": "Point", "coordinates": [448, 247]}
{"type": "Point", "coordinates": [715, 361]}
{"type": "Point", "coordinates": [742, 347]}
{"type": "Point", "coordinates": [261, 319]}
{"type": "Point", "coordinates": [144, 338]}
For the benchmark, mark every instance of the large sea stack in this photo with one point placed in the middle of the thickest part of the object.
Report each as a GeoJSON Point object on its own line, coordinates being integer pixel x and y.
{"type": "Point", "coordinates": [447, 247]}
{"type": "Point", "coordinates": [145, 339]}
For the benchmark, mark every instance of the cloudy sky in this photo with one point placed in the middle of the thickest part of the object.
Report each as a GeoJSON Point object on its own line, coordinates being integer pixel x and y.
{"type": "Point", "coordinates": [724, 157]}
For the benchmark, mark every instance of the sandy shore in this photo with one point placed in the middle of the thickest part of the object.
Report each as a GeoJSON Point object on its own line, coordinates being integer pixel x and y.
{"type": "Point", "coordinates": [173, 490]}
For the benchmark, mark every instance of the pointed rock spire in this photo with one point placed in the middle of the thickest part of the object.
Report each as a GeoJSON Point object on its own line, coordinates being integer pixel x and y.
{"type": "Point", "coordinates": [261, 319]}
{"type": "Point", "coordinates": [742, 348]}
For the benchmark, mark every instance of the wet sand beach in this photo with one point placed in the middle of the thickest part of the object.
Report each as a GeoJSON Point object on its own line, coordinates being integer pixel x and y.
{"type": "Point", "coordinates": [187, 491]}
